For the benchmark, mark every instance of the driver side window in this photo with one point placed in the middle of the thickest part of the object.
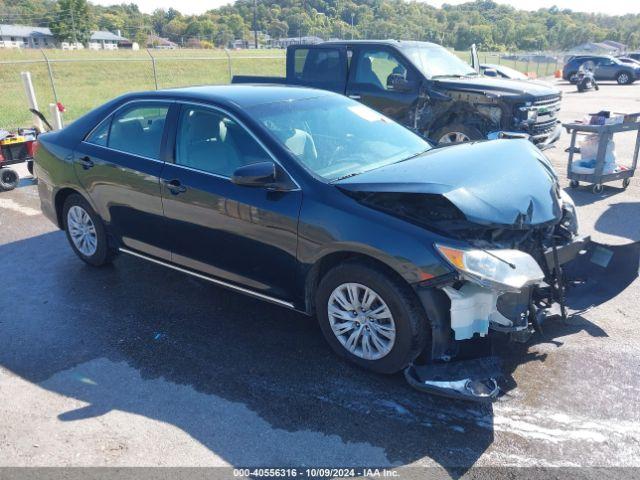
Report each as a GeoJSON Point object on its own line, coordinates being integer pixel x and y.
{"type": "Point", "coordinates": [380, 68]}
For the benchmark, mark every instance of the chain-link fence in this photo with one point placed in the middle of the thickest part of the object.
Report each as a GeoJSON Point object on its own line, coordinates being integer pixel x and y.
{"type": "Point", "coordinates": [535, 65]}
{"type": "Point", "coordinates": [82, 80]}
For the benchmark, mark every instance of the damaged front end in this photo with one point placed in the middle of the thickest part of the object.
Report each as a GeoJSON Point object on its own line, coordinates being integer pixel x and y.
{"type": "Point", "coordinates": [505, 244]}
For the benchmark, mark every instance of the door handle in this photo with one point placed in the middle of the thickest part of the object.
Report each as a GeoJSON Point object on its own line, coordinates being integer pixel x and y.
{"type": "Point", "coordinates": [86, 163]}
{"type": "Point", "coordinates": [355, 96]}
{"type": "Point", "coordinates": [175, 187]}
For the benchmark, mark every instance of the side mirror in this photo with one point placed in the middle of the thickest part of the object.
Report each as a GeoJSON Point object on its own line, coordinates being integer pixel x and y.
{"type": "Point", "coordinates": [490, 72]}
{"type": "Point", "coordinates": [262, 174]}
{"type": "Point", "coordinates": [398, 83]}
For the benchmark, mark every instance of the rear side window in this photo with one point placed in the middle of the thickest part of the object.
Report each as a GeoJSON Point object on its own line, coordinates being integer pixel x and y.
{"type": "Point", "coordinates": [317, 65]}
{"type": "Point", "coordinates": [136, 129]}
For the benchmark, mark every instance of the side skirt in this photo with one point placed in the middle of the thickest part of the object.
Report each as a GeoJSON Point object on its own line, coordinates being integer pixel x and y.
{"type": "Point", "coordinates": [221, 283]}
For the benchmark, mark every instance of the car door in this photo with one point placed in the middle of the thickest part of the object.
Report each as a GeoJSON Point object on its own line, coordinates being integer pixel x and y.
{"type": "Point", "coordinates": [119, 165]}
{"type": "Point", "coordinates": [245, 235]}
{"type": "Point", "coordinates": [606, 69]}
{"type": "Point", "coordinates": [318, 66]}
{"type": "Point", "coordinates": [381, 79]}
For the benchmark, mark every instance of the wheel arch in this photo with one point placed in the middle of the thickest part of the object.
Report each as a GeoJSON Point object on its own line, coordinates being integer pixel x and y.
{"type": "Point", "coordinates": [325, 263]}
{"type": "Point", "coordinates": [60, 197]}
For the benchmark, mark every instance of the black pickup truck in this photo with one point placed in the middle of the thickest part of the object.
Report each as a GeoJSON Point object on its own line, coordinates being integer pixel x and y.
{"type": "Point", "coordinates": [425, 87]}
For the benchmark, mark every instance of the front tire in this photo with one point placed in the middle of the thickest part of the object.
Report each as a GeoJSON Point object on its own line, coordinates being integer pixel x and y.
{"type": "Point", "coordinates": [85, 232]}
{"type": "Point", "coordinates": [456, 133]}
{"type": "Point", "coordinates": [389, 328]}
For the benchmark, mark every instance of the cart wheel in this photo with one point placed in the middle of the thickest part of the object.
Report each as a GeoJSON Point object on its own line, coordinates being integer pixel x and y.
{"type": "Point", "coordinates": [574, 183]}
{"type": "Point", "coordinates": [8, 179]}
{"type": "Point", "coordinates": [626, 182]}
{"type": "Point", "coordinates": [597, 188]}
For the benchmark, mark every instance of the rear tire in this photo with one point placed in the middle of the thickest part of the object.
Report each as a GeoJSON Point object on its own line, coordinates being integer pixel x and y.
{"type": "Point", "coordinates": [406, 316]}
{"type": "Point", "coordinates": [9, 179]}
{"type": "Point", "coordinates": [573, 77]}
{"type": "Point", "coordinates": [85, 232]}
{"type": "Point", "coordinates": [623, 78]}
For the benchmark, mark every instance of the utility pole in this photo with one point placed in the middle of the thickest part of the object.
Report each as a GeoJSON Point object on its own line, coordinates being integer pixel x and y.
{"type": "Point", "coordinates": [73, 26]}
{"type": "Point", "coordinates": [255, 24]}
{"type": "Point", "coordinates": [351, 25]}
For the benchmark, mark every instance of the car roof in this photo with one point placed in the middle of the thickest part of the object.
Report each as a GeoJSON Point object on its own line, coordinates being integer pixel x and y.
{"type": "Point", "coordinates": [241, 95]}
{"type": "Point", "coordinates": [389, 42]}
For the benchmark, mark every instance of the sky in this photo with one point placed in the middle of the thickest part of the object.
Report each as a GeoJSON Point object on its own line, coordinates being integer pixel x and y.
{"type": "Point", "coordinates": [612, 7]}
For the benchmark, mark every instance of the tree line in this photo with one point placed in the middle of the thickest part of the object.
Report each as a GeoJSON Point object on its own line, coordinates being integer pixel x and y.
{"type": "Point", "coordinates": [492, 26]}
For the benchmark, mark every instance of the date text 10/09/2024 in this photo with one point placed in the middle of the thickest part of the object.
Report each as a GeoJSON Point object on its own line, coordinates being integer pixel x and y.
{"type": "Point", "coordinates": [315, 472]}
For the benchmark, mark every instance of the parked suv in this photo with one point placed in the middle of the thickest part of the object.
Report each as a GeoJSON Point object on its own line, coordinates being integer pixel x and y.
{"type": "Point", "coordinates": [606, 68]}
{"type": "Point", "coordinates": [426, 88]}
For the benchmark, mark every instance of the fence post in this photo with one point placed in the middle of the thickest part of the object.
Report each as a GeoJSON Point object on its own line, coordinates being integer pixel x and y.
{"type": "Point", "coordinates": [31, 99]}
{"type": "Point", "coordinates": [155, 73]}
{"type": "Point", "coordinates": [56, 116]}
{"type": "Point", "coordinates": [226, 51]}
{"type": "Point", "coordinates": [53, 84]}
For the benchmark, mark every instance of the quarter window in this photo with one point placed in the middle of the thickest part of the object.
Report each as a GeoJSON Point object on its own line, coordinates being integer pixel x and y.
{"type": "Point", "coordinates": [208, 140]}
{"type": "Point", "coordinates": [100, 136]}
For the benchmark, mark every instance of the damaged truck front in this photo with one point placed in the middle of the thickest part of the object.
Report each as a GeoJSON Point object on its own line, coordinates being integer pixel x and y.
{"type": "Point", "coordinates": [504, 228]}
{"type": "Point", "coordinates": [425, 87]}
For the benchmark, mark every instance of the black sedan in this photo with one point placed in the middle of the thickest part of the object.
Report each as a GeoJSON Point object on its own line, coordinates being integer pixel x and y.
{"type": "Point", "coordinates": [312, 201]}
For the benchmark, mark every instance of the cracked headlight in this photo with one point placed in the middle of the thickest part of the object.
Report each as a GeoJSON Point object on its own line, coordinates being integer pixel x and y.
{"type": "Point", "coordinates": [569, 215]}
{"type": "Point", "coordinates": [498, 269]}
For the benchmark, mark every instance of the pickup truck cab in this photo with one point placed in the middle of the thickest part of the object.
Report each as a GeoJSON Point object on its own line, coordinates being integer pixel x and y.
{"type": "Point", "coordinates": [426, 88]}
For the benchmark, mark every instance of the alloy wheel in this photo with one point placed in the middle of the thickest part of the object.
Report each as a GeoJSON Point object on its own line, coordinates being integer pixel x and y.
{"type": "Point", "coordinates": [623, 78]}
{"type": "Point", "coordinates": [82, 230]}
{"type": "Point", "coordinates": [454, 137]}
{"type": "Point", "coordinates": [361, 321]}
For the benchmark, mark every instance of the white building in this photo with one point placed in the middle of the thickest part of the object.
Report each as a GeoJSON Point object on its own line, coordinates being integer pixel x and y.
{"type": "Point", "coordinates": [102, 40]}
{"type": "Point", "coordinates": [285, 42]}
{"type": "Point", "coordinates": [24, 36]}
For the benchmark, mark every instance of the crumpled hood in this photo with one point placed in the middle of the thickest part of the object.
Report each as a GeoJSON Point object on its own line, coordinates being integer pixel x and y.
{"type": "Point", "coordinates": [498, 86]}
{"type": "Point", "coordinates": [507, 183]}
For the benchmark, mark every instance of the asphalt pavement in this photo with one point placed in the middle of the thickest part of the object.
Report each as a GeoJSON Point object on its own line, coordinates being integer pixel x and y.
{"type": "Point", "coordinates": [137, 365]}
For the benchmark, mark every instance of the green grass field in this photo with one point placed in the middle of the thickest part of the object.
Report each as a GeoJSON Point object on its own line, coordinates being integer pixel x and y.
{"type": "Point", "coordinates": [86, 79]}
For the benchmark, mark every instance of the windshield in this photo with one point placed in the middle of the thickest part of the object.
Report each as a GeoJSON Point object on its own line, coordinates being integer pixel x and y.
{"type": "Point", "coordinates": [435, 61]}
{"type": "Point", "coordinates": [336, 137]}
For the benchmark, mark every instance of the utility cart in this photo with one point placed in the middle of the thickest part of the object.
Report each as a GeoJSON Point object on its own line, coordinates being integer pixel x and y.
{"type": "Point", "coordinates": [14, 149]}
{"type": "Point", "coordinates": [605, 133]}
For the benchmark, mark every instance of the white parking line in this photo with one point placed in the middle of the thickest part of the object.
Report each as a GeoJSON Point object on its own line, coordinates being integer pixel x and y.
{"type": "Point", "coordinates": [9, 204]}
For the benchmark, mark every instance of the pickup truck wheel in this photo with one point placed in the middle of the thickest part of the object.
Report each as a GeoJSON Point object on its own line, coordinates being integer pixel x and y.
{"type": "Point", "coordinates": [371, 318]}
{"type": "Point", "coordinates": [85, 232]}
{"type": "Point", "coordinates": [456, 133]}
{"type": "Point", "coordinates": [8, 179]}
{"type": "Point", "coordinates": [623, 78]}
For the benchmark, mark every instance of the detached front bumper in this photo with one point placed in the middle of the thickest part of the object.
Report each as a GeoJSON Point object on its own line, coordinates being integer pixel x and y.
{"type": "Point", "coordinates": [462, 310]}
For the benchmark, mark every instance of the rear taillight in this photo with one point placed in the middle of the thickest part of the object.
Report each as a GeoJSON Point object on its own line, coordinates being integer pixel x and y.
{"type": "Point", "coordinates": [32, 148]}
